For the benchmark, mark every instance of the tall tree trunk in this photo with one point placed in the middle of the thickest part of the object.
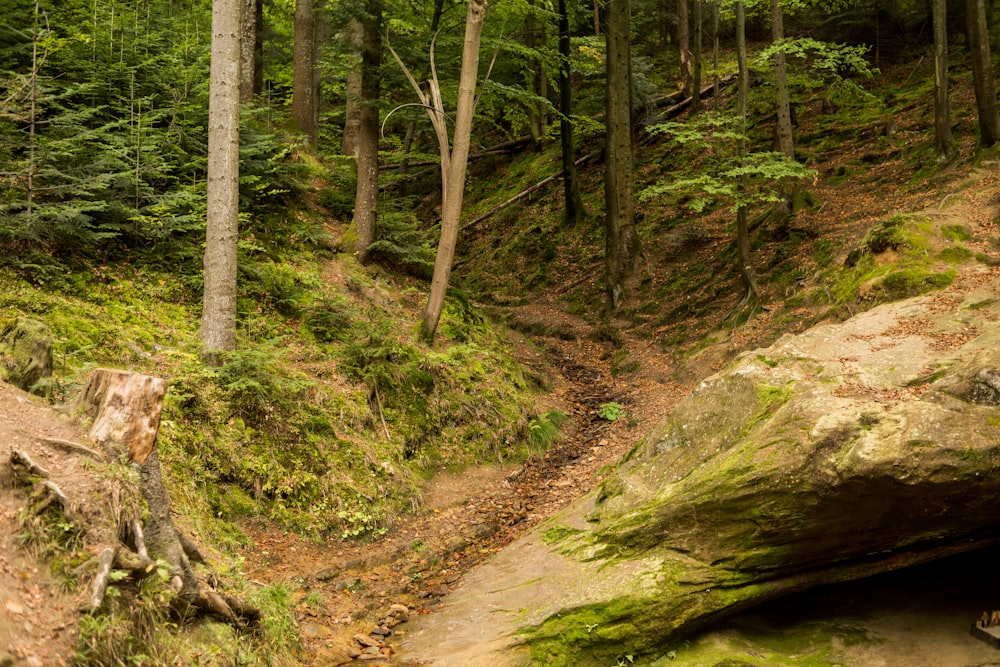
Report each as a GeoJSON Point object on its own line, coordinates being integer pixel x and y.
{"type": "Point", "coordinates": [742, 228]}
{"type": "Point", "coordinates": [453, 183]}
{"type": "Point", "coordinates": [696, 57]}
{"type": "Point", "coordinates": [943, 141]}
{"type": "Point", "coordinates": [571, 183]}
{"type": "Point", "coordinates": [248, 43]}
{"type": "Point", "coordinates": [258, 49]}
{"type": "Point", "coordinates": [355, 49]}
{"type": "Point", "coordinates": [621, 242]}
{"type": "Point", "coordinates": [982, 73]}
{"type": "Point", "coordinates": [218, 315]}
{"type": "Point", "coordinates": [783, 132]}
{"type": "Point", "coordinates": [533, 80]}
{"type": "Point", "coordinates": [303, 59]}
{"type": "Point", "coordinates": [684, 45]}
{"type": "Point", "coordinates": [366, 197]}
{"type": "Point", "coordinates": [715, 55]}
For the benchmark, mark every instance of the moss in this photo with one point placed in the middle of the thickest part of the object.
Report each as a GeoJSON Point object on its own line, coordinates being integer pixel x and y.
{"type": "Point", "coordinates": [557, 534]}
{"type": "Point", "coordinates": [956, 254]}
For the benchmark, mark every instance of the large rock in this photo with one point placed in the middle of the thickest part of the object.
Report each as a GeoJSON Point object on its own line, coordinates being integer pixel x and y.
{"type": "Point", "coordinates": [850, 450]}
{"type": "Point", "coordinates": [25, 352]}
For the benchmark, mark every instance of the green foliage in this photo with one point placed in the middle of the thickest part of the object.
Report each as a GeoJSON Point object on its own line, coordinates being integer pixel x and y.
{"type": "Point", "coordinates": [610, 411]}
{"type": "Point", "coordinates": [543, 430]}
{"type": "Point", "coordinates": [723, 175]}
{"type": "Point", "coordinates": [401, 244]}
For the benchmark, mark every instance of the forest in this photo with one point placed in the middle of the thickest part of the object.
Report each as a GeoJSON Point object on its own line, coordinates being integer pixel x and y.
{"type": "Point", "coordinates": [373, 246]}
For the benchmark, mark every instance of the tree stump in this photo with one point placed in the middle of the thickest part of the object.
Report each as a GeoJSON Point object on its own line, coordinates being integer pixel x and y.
{"type": "Point", "coordinates": [126, 409]}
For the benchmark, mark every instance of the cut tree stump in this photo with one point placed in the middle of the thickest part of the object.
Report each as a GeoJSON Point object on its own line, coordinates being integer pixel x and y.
{"type": "Point", "coordinates": [125, 408]}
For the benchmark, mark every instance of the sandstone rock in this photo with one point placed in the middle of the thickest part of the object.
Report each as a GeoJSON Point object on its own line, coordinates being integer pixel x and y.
{"type": "Point", "coordinates": [831, 455]}
{"type": "Point", "coordinates": [25, 352]}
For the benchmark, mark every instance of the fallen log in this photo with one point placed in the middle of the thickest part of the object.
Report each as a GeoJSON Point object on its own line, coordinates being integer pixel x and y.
{"type": "Point", "coordinates": [524, 193]}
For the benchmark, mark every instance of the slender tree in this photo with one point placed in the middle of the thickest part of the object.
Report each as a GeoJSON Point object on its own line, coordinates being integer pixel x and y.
{"type": "Point", "coordinates": [218, 316]}
{"type": "Point", "coordinates": [742, 227]}
{"type": "Point", "coordinates": [621, 241]}
{"type": "Point", "coordinates": [684, 45]}
{"type": "Point", "coordinates": [248, 50]}
{"type": "Point", "coordinates": [454, 156]}
{"type": "Point", "coordinates": [366, 197]}
{"type": "Point", "coordinates": [571, 183]}
{"type": "Point", "coordinates": [304, 103]}
{"type": "Point", "coordinates": [982, 73]}
{"type": "Point", "coordinates": [943, 140]}
{"type": "Point", "coordinates": [696, 57]}
{"type": "Point", "coordinates": [783, 141]}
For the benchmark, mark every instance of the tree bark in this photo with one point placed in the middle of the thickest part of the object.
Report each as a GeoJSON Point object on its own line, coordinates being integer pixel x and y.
{"type": "Point", "coordinates": [355, 54]}
{"type": "Point", "coordinates": [621, 242]}
{"type": "Point", "coordinates": [684, 45]}
{"type": "Point", "coordinates": [715, 55]}
{"type": "Point", "coordinates": [303, 61]}
{"type": "Point", "coordinates": [453, 179]}
{"type": "Point", "coordinates": [982, 73]}
{"type": "Point", "coordinates": [696, 57]}
{"type": "Point", "coordinates": [742, 230]}
{"type": "Point", "coordinates": [783, 141]}
{"type": "Point", "coordinates": [572, 198]}
{"type": "Point", "coordinates": [248, 55]}
{"type": "Point", "coordinates": [943, 141]}
{"type": "Point", "coordinates": [218, 316]}
{"type": "Point", "coordinates": [366, 198]}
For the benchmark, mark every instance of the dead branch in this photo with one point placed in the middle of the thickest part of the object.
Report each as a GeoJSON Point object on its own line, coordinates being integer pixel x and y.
{"type": "Point", "coordinates": [524, 193]}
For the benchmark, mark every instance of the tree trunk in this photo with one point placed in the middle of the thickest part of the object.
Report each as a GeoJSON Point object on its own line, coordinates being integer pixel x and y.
{"type": "Point", "coordinates": [982, 73]}
{"type": "Point", "coordinates": [355, 55]}
{"type": "Point", "coordinates": [303, 59]}
{"type": "Point", "coordinates": [742, 230]}
{"type": "Point", "coordinates": [218, 315]}
{"type": "Point", "coordinates": [571, 183]}
{"type": "Point", "coordinates": [621, 242]}
{"type": "Point", "coordinates": [453, 180]}
{"type": "Point", "coordinates": [783, 141]}
{"type": "Point", "coordinates": [696, 57]}
{"type": "Point", "coordinates": [943, 140]}
{"type": "Point", "coordinates": [366, 198]}
{"type": "Point", "coordinates": [532, 75]}
{"type": "Point", "coordinates": [248, 43]}
{"type": "Point", "coordinates": [684, 45]}
{"type": "Point", "coordinates": [715, 55]}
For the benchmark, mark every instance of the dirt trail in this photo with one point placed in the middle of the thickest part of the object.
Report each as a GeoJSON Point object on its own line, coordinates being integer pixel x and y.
{"type": "Point", "coordinates": [347, 588]}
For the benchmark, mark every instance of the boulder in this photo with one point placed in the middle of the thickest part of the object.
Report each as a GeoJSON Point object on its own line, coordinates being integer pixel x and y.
{"type": "Point", "coordinates": [25, 352]}
{"type": "Point", "coordinates": [853, 449]}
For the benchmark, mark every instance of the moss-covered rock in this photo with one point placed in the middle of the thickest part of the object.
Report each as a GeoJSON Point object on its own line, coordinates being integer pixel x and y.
{"type": "Point", "coordinates": [26, 352]}
{"type": "Point", "coordinates": [832, 455]}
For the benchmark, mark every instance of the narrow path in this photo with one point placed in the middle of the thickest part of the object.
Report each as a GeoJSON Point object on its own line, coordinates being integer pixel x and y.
{"type": "Point", "coordinates": [346, 591]}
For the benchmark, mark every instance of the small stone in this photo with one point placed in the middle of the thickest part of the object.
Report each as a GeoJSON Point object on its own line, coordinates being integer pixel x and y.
{"type": "Point", "coordinates": [327, 574]}
{"type": "Point", "coordinates": [315, 631]}
{"type": "Point", "coordinates": [382, 631]}
{"type": "Point", "coordinates": [400, 611]}
{"type": "Point", "coordinates": [365, 640]}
